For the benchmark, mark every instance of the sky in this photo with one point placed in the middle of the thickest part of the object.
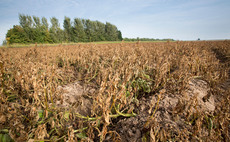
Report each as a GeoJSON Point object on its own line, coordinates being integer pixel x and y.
{"type": "Point", "coordinates": [176, 19]}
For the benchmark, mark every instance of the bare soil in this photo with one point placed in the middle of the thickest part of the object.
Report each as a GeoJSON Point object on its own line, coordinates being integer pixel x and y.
{"type": "Point", "coordinates": [165, 113]}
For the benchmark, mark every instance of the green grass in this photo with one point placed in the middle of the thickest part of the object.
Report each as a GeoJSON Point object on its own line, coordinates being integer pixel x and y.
{"type": "Point", "coordinates": [17, 45]}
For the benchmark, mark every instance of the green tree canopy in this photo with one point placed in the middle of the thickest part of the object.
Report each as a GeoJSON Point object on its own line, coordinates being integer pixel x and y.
{"type": "Point", "coordinates": [78, 31]}
{"type": "Point", "coordinates": [17, 35]}
{"type": "Point", "coordinates": [68, 31]}
{"type": "Point", "coordinates": [32, 29]}
{"type": "Point", "coordinates": [111, 32]}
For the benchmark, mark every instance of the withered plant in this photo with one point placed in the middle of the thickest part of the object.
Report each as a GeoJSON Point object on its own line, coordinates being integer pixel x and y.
{"type": "Point", "coordinates": [122, 76]}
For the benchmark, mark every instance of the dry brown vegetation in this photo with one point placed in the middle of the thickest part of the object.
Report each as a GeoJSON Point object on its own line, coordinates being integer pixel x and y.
{"type": "Point", "coordinates": [116, 92]}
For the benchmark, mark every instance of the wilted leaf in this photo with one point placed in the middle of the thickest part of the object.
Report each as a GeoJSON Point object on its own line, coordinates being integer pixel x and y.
{"type": "Point", "coordinates": [152, 136]}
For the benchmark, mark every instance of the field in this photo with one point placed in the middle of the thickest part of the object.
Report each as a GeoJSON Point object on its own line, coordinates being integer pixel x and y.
{"type": "Point", "coordinates": [158, 91]}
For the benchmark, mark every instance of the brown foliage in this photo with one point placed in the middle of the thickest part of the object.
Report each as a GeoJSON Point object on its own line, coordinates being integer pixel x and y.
{"type": "Point", "coordinates": [126, 80]}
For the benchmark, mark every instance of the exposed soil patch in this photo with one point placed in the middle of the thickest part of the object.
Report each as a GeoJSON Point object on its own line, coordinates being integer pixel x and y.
{"type": "Point", "coordinates": [170, 110]}
{"type": "Point", "coordinates": [196, 97]}
{"type": "Point", "coordinates": [78, 97]}
{"type": "Point", "coordinates": [199, 91]}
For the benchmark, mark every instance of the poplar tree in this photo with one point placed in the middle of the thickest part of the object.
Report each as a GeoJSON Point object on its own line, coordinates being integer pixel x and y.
{"type": "Point", "coordinates": [67, 30]}
{"type": "Point", "coordinates": [100, 31]}
{"type": "Point", "coordinates": [78, 31]}
{"type": "Point", "coordinates": [56, 33]}
{"type": "Point", "coordinates": [111, 32]}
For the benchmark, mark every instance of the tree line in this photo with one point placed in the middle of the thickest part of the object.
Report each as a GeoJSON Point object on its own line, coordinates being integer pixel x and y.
{"type": "Point", "coordinates": [32, 29]}
{"type": "Point", "coordinates": [146, 39]}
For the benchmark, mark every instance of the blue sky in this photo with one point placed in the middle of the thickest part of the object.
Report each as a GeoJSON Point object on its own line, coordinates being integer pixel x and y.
{"type": "Point", "coordinates": [177, 19]}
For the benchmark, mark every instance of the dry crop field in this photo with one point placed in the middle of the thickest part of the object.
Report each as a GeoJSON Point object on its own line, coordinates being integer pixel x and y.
{"type": "Point", "coordinates": [166, 91]}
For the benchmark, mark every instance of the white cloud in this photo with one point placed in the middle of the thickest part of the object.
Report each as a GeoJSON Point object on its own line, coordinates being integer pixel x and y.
{"type": "Point", "coordinates": [74, 2]}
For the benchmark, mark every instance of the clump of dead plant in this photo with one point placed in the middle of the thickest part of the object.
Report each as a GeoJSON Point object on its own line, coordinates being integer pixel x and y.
{"type": "Point", "coordinates": [121, 74]}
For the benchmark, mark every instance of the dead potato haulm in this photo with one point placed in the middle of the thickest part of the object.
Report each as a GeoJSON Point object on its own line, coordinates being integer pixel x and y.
{"type": "Point", "coordinates": [157, 91]}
